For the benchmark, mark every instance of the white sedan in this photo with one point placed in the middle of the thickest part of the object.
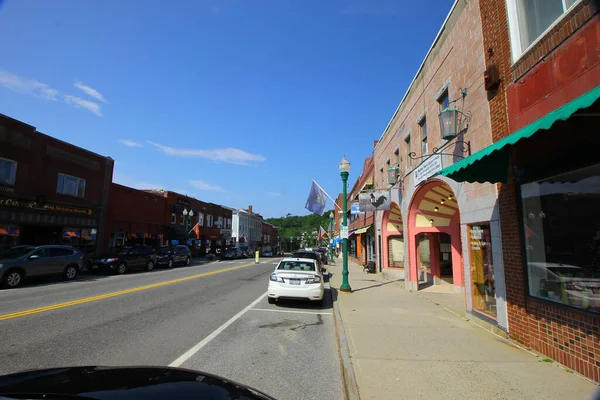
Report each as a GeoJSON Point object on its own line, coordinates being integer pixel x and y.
{"type": "Point", "coordinates": [296, 278]}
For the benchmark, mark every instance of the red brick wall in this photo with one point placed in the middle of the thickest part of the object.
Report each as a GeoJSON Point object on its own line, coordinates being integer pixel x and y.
{"type": "Point", "coordinates": [568, 336]}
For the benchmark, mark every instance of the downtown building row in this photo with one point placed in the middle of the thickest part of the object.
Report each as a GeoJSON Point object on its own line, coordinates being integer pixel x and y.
{"type": "Point", "coordinates": [52, 192]}
{"type": "Point", "coordinates": [492, 167]}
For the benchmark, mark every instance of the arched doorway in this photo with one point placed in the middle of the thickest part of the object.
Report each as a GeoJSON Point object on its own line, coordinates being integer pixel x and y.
{"type": "Point", "coordinates": [434, 237]}
{"type": "Point", "coordinates": [392, 232]}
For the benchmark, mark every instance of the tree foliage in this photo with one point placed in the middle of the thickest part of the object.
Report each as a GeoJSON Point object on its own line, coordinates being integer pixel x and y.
{"type": "Point", "coordinates": [293, 225]}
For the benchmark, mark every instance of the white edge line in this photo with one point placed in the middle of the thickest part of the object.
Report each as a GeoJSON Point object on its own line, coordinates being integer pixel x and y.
{"type": "Point", "coordinates": [292, 311]}
{"type": "Point", "coordinates": [188, 354]}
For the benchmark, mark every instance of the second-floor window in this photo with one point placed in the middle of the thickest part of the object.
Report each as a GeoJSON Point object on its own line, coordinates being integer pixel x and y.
{"type": "Point", "coordinates": [70, 186]}
{"type": "Point", "coordinates": [173, 218]}
{"type": "Point", "coordinates": [219, 222]}
{"type": "Point", "coordinates": [200, 219]}
{"type": "Point", "coordinates": [530, 19]}
{"type": "Point", "coordinates": [228, 223]}
{"type": "Point", "coordinates": [423, 128]}
{"type": "Point", "coordinates": [8, 171]}
{"type": "Point", "coordinates": [444, 100]}
{"type": "Point", "coordinates": [209, 220]}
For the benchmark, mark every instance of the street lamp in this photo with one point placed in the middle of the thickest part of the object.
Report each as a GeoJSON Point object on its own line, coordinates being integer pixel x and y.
{"type": "Point", "coordinates": [187, 217]}
{"type": "Point", "coordinates": [344, 172]}
{"type": "Point", "coordinates": [331, 236]}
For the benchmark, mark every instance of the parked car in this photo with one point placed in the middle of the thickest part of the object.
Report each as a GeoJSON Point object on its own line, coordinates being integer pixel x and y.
{"type": "Point", "coordinates": [296, 278]}
{"type": "Point", "coordinates": [171, 255]}
{"type": "Point", "coordinates": [267, 253]}
{"type": "Point", "coordinates": [247, 251]}
{"type": "Point", "coordinates": [232, 253]}
{"type": "Point", "coordinates": [126, 259]}
{"type": "Point", "coordinates": [23, 262]}
{"type": "Point", "coordinates": [309, 254]}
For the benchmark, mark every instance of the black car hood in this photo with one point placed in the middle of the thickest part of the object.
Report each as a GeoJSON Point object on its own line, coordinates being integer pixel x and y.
{"type": "Point", "coordinates": [123, 383]}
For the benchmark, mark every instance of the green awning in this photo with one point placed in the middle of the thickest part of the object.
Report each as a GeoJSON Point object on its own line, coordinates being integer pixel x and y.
{"type": "Point", "coordinates": [491, 163]}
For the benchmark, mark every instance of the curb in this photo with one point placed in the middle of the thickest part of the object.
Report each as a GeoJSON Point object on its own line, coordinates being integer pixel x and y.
{"type": "Point", "coordinates": [350, 388]}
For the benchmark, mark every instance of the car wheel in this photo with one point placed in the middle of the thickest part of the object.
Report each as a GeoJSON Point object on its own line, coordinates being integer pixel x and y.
{"type": "Point", "coordinates": [149, 266]}
{"type": "Point", "coordinates": [271, 300]}
{"type": "Point", "coordinates": [13, 279]}
{"type": "Point", "coordinates": [121, 268]}
{"type": "Point", "coordinates": [70, 272]}
{"type": "Point", "coordinates": [187, 261]}
{"type": "Point", "coordinates": [170, 263]}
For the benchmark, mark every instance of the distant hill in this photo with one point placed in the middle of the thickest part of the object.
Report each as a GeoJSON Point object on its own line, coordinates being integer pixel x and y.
{"type": "Point", "coordinates": [293, 226]}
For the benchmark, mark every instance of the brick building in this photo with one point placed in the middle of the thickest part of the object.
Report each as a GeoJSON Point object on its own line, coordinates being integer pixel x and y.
{"type": "Point", "coordinates": [543, 71]}
{"type": "Point", "coordinates": [270, 238]}
{"type": "Point", "coordinates": [51, 192]}
{"type": "Point", "coordinates": [439, 231]}
{"type": "Point", "coordinates": [360, 224]}
{"type": "Point", "coordinates": [135, 217]}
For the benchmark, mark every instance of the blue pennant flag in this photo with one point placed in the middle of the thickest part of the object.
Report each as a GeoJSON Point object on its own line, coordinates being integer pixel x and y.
{"type": "Point", "coordinates": [316, 200]}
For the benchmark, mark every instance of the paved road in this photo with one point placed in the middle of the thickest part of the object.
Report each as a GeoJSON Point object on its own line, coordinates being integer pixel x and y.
{"type": "Point", "coordinates": [213, 317]}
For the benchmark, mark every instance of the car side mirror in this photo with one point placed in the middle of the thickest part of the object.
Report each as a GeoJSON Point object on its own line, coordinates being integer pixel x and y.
{"type": "Point", "coordinates": [34, 257]}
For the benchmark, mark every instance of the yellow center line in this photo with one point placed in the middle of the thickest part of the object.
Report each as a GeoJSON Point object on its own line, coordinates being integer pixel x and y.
{"type": "Point", "coordinates": [115, 294]}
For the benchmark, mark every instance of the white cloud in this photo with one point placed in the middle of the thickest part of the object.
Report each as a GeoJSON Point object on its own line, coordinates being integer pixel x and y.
{"type": "Point", "coordinates": [90, 91]}
{"type": "Point", "coordinates": [130, 143]}
{"type": "Point", "coordinates": [78, 102]}
{"type": "Point", "coordinates": [228, 155]}
{"type": "Point", "coordinates": [35, 88]}
{"type": "Point", "coordinates": [201, 185]}
{"type": "Point", "coordinates": [273, 194]}
{"type": "Point", "coordinates": [27, 86]}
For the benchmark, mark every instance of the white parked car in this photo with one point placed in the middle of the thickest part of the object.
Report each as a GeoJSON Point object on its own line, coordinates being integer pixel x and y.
{"type": "Point", "coordinates": [296, 278]}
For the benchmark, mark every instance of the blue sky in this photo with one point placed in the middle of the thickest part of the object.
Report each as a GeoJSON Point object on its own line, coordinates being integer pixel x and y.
{"type": "Point", "coordinates": [233, 102]}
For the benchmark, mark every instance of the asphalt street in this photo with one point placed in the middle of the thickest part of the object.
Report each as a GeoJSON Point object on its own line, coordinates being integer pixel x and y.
{"type": "Point", "coordinates": [213, 317]}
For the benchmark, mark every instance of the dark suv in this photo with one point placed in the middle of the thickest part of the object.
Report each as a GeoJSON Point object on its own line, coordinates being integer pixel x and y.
{"type": "Point", "coordinates": [126, 259]}
{"type": "Point", "coordinates": [172, 255]}
{"type": "Point", "coordinates": [22, 262]}
{"type": "Point", "coordinates": [309, 254]}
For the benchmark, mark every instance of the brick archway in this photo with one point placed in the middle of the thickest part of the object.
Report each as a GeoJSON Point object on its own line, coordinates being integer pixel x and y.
{"type": "Point", "coordinates": [391, 228]}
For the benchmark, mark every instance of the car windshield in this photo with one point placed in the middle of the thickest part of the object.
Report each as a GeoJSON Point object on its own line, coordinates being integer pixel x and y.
{"type": "Point", "coordinates": [296, 266]}
{"type": "Point", "coordinates": [16, 252]}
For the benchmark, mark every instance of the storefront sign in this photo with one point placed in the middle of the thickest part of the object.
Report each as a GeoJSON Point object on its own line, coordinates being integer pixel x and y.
{"type": "Point", "coordinates": [6, 189]}
{"type": "Point", "coordinates": [375, 201]}
{"type": "Point", "coordinates": [427, 169]}
{"type": "Point", "coordinates": [46, 207]}
{"type": "Point", "coordinates": [355, 208]}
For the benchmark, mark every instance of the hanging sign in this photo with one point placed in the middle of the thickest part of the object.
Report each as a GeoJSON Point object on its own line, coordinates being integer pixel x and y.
{"type": "Point", "coordinates": [427, 169]}
{"type": "Point", "coordinates": [344, 232]}
{"type": "Point", "coordinates": [375, 201]}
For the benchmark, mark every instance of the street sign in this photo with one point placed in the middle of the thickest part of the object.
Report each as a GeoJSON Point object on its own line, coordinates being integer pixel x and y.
{"type": "Point", "coordinates": [344, 232]}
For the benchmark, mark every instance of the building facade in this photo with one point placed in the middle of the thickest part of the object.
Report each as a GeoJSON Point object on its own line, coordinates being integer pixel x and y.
{"type": "Point", "coordinates": [439, 231]}
{"type": "Point", "coordinates": [51, 192]}
{"type": "Point", "coordinates": [361, 228]}
{"type": "Point", "coordinates": [543, 73]}
{"type": "Point", "coordinates": [134, 217]}
{"type": "Point", "coordinates": [247, 228]}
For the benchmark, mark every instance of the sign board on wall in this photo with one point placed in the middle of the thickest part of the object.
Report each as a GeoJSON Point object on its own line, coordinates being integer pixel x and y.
{"type": "Point", "coordinates": [375, 201]}
{"type": "Point", "coordinates": [428, 168]}
{"type": "Point", "coordinates": [355, 208]}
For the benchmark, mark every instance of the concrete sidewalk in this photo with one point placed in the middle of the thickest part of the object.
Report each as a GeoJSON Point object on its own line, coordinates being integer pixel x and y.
{"type": "Point", "coordinates": [402, 345]}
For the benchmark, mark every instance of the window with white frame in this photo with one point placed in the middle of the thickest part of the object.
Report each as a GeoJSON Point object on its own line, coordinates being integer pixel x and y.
{"type": "Point", "coordinates": [209, 220]}
{"type": "Point", "coordinates": [173, 218]}
{"type": "Point", "coordinates": [70, 186]}
{"type": "Point", "coordinates": [530, 19]}
{"type": "Point", "coordinates": [200, 219]}
{"type": "Point", "coordinates": [219, 222]}
{"type": "Point", "coordinates": [8, 171]}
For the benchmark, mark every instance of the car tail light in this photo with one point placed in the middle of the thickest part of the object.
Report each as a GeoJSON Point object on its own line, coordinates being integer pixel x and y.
{"type": "Point", "coordinates": [314, 279]}
{"type": "Point", "coordinates": [276, 278]}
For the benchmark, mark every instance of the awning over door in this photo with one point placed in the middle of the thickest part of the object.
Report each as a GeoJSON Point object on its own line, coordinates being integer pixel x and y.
{"type": "Point", "coordinates": [491, 163]}
{"type": "Point", "coordinates": [362, 230]}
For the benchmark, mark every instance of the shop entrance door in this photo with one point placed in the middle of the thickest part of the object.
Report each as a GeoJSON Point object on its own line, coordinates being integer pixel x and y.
{"type": "Point", "coordinates": [445, 257]}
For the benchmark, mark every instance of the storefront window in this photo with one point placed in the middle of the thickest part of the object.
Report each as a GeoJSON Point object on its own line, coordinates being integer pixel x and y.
{"type": "Point", "coordinates": [561, 221]}
{"type": "Point", "coordinates": [9, 237]}
{"type": "Point", "coordinates": [396, 252]}
{"type": "Point", "coordinates": [482, 268]}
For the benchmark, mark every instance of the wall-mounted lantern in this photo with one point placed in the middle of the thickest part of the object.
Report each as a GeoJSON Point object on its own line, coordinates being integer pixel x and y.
{"type": "Point", "coordinates": [393, 173]}
{"type": "Point", "coordinates": [452, 120]}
